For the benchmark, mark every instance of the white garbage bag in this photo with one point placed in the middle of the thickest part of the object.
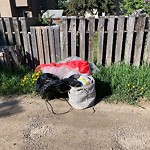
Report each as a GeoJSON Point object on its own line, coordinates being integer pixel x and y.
{"type": "Point", "coordinates": [84, 96]}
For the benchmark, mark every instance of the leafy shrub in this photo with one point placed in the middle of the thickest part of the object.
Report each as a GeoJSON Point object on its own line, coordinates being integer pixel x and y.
{"type": "Point", "coordinates": [129, 6]}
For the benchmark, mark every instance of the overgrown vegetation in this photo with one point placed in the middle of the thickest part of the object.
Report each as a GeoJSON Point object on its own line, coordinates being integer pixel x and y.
{"type": "Point", "coordinates": [127, 83]}
{"type": "Point", "coordinates": [10, 81]}
{"type": "Point", "coordinates": [129, 6]}
{"type": "Point", "coordinates": [78, 7]}
{"type": "Point", "coordinates": [120, 82]}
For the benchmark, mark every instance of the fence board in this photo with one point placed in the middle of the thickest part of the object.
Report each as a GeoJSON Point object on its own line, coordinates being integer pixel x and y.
{"type": "Point", "coordinates": [129, 38]}
{"type": "Point", "coordinates": [82, 37]}
{"type": "Point", "coordinates": [18, 50]}
{"type": "Point", "coordinates": [91, 38]}
{"type": "Point", "coordinates": [2, 32]}
{"type": "Point", "coordinates": [40, 44]}
{"type": "Point", "coordinates": [73, 35]}
{"type": "Point", "coordinates": [57, 43]}
{"type": "Point", "coordinates": [111, 21]}
{"type": "Point", "coordinates": [16, 30]}
{"type": "Point", "coordinates": [14, 56]}
{"type": "Point", "coordinates": [25, 36]}
{"type": "Point", "coordinates": [7, 57]}
{"type": "Point", "coordinates": [100, 40]}
{"type": "Point", "coordinates": [139, 43]}
{"type": "Point", "coordinates": [46, 44]}
{"type": "Point", "coordinates": [34, 46]}
{"type": "Point", "coordinates": [147, 49]}
{"type": "Point", "coordinates": [64, 37]}
{"type": "Point", "coordinates": [9, 31]}
{"type": "Point", "coordinates": [52, 44]}
{"type": "Point", "coordinates": [119, 42]}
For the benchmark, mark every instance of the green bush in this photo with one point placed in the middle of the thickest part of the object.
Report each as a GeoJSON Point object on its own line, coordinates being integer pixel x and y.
{"type": "Point", "coordinates": [129, 6]}
{"type": "Point", "coordinates": [79, 7]}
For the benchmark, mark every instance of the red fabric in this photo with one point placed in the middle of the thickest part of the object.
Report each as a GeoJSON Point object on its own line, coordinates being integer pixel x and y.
{"type": "Point", "coordinates": [82, 66]}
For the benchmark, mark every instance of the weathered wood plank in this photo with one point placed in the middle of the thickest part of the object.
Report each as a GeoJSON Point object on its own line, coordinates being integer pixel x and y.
{"type": "Point", "coordinates": [9, 31]}
{"type": "Point", "coordinates": [57, 43]}
{"type": "Point", "coordinates": [46, 44]}
{"type": "Point", "coordinates": [111, 21]}
{"type": "Point", "coordinates": [100, 39]}
{"type": "Point", "coordinates": [147, 48]}
{"type": "Point", "coordinates": [119, 42]}
{"type": "Point", "coordinates": [40, 44]}
{"type": "Point", "coordinates": [82, 37]}
{"type": "Point", "coordinates": [16, 30]}
{"type": "Point", "coordinates": [14, 56]}
{"type": "Point", "coordinates": [64, 37]}
{"type": "Point", "coordinates": [91, 38]}
{"type": "Point", "coordinates": [30, 53]}
{"type": "Point", "coordinates": [139, 43]}
{"type": "Point", "coordinates": [2, 32]}
{"type": "Point", "coordinates": [52, 44]}
{"type": "Point", "coordinates": [7, 58]}
{"type": "Point", "coordinates": [73, 35]}
{"type": "Point", "coordinates": [129, 39]}
{"type": "Point", "coordinates": [34, 46]}
{"type": "Point", "coordinates": [24, 34]}
{"type": "Point", "coordinates": [19, 53]}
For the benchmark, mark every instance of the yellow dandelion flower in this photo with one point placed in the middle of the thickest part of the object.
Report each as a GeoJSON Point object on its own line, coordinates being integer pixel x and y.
{"type": "Point", "coordinates": [142, 88]}
{"type": "Point", "coordinates": [33, 75]}
{"type": "Point", "coordinates": [133, 87]}
{"type": "Point", "coordinates": [128, 84]}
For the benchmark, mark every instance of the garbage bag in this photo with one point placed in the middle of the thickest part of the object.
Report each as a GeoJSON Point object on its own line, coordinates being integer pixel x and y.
{"type": "Point", "coordinates": [84, 96]}
{"type": "Point", "coordinates": [66, 69]}
{"type": "Point", "coordinates": [93, 67]}
{"type": "Point", "coordinates": [47, 83]}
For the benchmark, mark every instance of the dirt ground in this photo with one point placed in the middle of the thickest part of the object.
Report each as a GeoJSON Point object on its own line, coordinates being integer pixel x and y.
{"type": "Point", "coordinates": [26, 123]}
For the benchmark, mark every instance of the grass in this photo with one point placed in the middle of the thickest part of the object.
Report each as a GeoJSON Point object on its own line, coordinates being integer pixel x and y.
{"type": "Point", "coordinates": [125, 83]}
{"type": "Point", "coordinates": [117, 83]}
{"type": "Point", "coordinates": [10, 81]}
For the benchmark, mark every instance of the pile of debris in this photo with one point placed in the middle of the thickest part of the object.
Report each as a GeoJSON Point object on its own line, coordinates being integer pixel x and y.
{"type": "Point", "coordinates": [73, 76]}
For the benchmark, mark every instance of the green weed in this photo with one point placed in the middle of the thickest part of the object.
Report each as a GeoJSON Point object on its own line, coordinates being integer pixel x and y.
{"type": "Point", "coordinates": [128, 83]}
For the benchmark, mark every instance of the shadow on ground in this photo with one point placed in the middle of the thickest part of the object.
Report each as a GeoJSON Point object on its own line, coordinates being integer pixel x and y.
{"type": "Point", "coordinates": [9, 106]}
{"type": "Point", "coordinates": [103, 90]}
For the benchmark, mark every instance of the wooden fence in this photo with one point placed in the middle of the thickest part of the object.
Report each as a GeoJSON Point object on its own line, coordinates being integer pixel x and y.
{"type": "Point", "coordinates": [105, 40]}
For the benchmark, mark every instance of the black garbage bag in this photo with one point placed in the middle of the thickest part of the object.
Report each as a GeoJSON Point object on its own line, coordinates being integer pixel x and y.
{"type": "Point", "coordinates": [47, 83]}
